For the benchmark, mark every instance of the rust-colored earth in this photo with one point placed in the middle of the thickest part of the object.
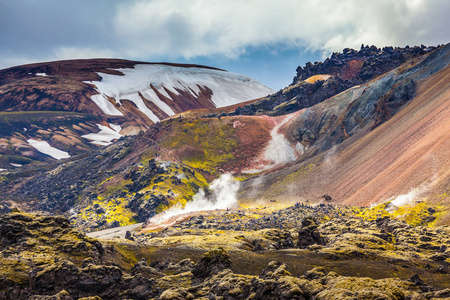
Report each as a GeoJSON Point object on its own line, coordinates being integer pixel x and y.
{"type": "Point", "coordinates": [411, 150]}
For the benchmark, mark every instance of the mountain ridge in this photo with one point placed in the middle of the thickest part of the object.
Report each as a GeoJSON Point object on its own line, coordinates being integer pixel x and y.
{"type": "Point", "coordinates": [176, 158]}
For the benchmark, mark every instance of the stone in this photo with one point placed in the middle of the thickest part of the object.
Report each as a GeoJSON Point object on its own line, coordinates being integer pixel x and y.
{"type": "Point", "coordinates": [212, 263]}
{"type": "Point", "coordinates": [309, 234]}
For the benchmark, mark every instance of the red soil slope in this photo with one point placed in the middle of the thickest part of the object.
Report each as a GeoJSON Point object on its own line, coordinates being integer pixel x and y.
{"type": "Point", "coordinates": [410, 150]}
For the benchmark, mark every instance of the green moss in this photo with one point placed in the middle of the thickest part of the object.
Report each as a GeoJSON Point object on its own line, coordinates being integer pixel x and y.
{"type": "Point", "coordinates": [128, 255]}
{"type": "Point", "coordinates": [211, 142]}
{"type": "Point", "coordinates": [13, 270]}
{"type": "Point", "coordinates": [183, 280]}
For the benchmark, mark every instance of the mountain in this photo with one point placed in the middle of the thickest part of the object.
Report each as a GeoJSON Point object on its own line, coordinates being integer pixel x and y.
{"type": "Point", "coordinates": [361, 146]}
{"type": "Point", "coordinates": [340, 195]}
{"type": "Point", "coordinates": [373, 142]}
{"type": "Point", "coordinates": [74, 106]}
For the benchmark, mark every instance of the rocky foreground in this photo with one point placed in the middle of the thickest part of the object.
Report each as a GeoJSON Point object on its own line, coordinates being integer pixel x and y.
{"type": "Point", "coordinates": [300, 252]}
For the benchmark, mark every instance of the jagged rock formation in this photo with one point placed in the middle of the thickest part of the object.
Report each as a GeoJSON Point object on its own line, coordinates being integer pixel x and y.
{"type": "Point", "coordinates": [212, 263]}
{"type": "Point", "coordinates": [308, 234]}
{"type": "Point", "coordinates": [317, 82]}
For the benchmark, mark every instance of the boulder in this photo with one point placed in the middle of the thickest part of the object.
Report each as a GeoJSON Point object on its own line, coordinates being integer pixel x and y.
{"type": "Point", "coordinates": [309, 234]}
{"type": "Point", "coordinates": [212, 263]}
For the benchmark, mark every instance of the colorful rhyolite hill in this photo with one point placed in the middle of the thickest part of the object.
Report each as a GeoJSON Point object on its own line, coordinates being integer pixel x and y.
{"type": "Point", "coordinates": [59, 109]}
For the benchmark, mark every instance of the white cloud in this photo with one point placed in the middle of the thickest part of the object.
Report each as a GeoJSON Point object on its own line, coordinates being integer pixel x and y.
{"type": "Point", "coordinates": [207, 27]}
{"type": "Point", "coordinates": [60, 53]}
{"type": "Point", "coordinates": [82, 52]}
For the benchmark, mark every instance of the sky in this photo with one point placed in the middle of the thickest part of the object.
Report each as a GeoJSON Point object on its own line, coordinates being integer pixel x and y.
{"type": "Point", "coordinates": [264, 39]}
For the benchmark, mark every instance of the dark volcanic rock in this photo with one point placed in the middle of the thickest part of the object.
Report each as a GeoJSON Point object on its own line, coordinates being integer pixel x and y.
{"type": "Point", "coordinates": [212, 263]}
{"type": "Point", "coordinates": [105, 281]}
{"type": "Point", "coordinates": [308, 234]}
{"type": "Point", "coordinates": [275, 269]}
{"type": "Point", "coordinates": [347, 69]}
{"type": "Point", "coordinates": [391, 102]}
{"type": "Point", "coordinates": [63, 295]}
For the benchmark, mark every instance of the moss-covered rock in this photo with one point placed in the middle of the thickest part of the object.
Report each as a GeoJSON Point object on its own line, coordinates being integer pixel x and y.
{"type": "Point", "coordinates": [212, 263]}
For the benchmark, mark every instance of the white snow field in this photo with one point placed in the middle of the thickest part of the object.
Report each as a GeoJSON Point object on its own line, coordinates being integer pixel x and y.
{"type": "Point", "coordinates": [228, 88]}
{"type": "Point", "coordinates": [44, 147]}
{"type": "Point", "coordinates": [105, 136]}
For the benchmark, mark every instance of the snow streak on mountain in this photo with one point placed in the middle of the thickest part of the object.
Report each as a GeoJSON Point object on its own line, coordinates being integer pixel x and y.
{"type": "Point", "coordinates": [154, 89]}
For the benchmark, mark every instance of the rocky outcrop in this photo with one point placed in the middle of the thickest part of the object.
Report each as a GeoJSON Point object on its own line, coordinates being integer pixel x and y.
{"type": "Point", "coordinates": [361, 65]}
{"type": "Point", "coordinates": [392, 101]}
{"type": "Point", "coordinates": [40, 258]}
{"type": "Point", "coordinates": [63, 295]}
{"type": "Point", "coordinates": [339, 72]}
{"type": "Point", "coordinates": [40, 255]}
{"type": "Point", "coordinates": [276, 282]}
{"type": "Point", "coordinates": [308, 234]}
{"type": "Point", "coordinates": [108, 282]}
{"type": "Point", "coordinates": [212, 263]}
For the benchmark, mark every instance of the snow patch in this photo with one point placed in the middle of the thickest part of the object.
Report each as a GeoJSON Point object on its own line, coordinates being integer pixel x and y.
{"type": "Point", "coordinates": [300, 149]}
{"type": "Point", "coordinates": [106, 106]}
{"type": "Point", "coordinates": [278, 151]}
{"type": "Point", "coordinates": [227, 88]}
{"type": "Point", "coordinates": [105, 136]}
{"type": "Point", "coordinates": [15, 165]}
{"type": "Point", "coordinates": [223, 196]}
{"type": "Point", "coordinates": [181, 176]}
{"type": "Point", "coordinates": [41, 74]}
{"type": "Point", "coordinates": [44, 147]}
{"type": "Point", "coordinates": [2, 170]}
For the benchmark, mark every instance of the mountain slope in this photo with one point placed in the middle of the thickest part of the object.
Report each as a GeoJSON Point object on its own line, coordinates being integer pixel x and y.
{"type": "Point", "coordinates": [80, 104]}
{"type": "Point", "coordinates": [327, 148]}
{"type": "Point", "coordinates": [408, 152]}
{"type": "Point", "coordinates": [99, 86]}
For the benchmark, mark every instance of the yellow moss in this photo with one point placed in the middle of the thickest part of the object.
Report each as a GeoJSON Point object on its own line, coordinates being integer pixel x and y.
{"type": "Point", "coordinates": [441, 212]}
{"type": "Point", "coordinates": [112, 211]}
{"type": "Point", "coordinates": [14, 271]}
{"type": "Point", "coordinates": [374, 212]}
{"type": "Point", "coordinates": [215, 139]}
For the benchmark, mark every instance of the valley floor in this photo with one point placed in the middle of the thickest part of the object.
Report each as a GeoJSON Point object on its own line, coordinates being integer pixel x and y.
{"type": "Point", "coordinates": [298, 252]}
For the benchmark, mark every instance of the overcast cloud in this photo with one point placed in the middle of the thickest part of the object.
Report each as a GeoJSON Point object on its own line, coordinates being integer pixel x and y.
{"type": "Point", "coordinates": [222, 31]}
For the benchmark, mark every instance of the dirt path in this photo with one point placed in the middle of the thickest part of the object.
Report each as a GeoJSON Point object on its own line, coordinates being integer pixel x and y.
{"type": "Point", "coordinates": [113, 232]}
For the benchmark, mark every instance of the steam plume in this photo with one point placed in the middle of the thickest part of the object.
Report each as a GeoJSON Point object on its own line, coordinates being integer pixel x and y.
{"type": "Point", "coordinates": [223, 195]}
